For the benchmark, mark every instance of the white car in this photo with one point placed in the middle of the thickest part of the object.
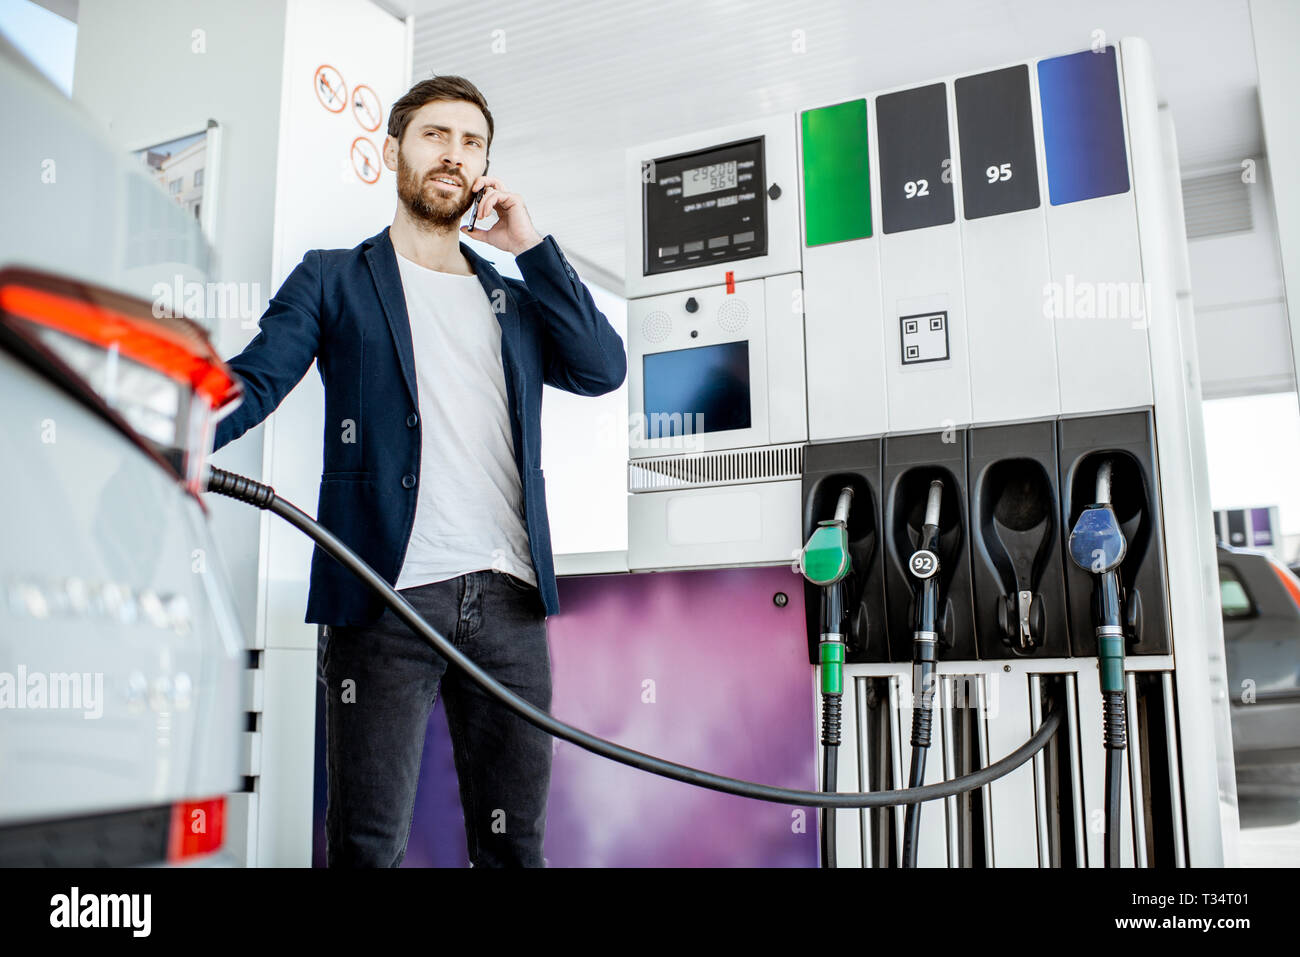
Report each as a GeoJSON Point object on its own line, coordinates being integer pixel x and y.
{"type": "Point", "coordinates": [121, 657]}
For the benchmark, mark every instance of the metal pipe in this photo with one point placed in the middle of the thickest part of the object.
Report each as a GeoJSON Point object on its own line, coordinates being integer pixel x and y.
{"type": "Point", "coordinates": [842, 506]}
{"type": "Point", "coordinates": [932, 503]}
{"type": "Point", "coordinates": [1103, 482]}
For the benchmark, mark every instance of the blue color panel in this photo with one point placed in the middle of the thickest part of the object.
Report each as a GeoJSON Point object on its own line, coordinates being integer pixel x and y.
{"type": "Point", "coordinates": [1083, 126]}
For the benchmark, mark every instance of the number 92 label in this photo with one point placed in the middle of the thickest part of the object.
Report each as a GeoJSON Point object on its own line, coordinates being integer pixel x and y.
{"type": "Point", "coordinates": [923, 563]}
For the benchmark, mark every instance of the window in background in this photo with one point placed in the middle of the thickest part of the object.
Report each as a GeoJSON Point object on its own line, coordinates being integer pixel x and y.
{"type": "Point", "coordinates": [1253, 446]}
{"type": "Point", "coordinates": [1233, 596]}
{"type": "Point", "coordinates": [584, 455]}
{"type": "Point", "coordinates": [45, 38]}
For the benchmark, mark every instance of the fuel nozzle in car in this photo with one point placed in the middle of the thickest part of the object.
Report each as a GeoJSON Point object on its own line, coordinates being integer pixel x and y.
{"type": "Point", "coordinates": [824, 561]}
{"type": "Point", "coordinates": [1097, 545]}
{"type": "Point", "coordinates": [923, 566]}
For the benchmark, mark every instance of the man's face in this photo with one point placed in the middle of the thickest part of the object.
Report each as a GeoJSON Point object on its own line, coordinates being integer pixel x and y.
{"type": "Point", "coordinates": [445, 140]}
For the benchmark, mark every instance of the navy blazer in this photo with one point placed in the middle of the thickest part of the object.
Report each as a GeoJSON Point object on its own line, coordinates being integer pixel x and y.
{"type": "Point", "coordinates": [346, 309]}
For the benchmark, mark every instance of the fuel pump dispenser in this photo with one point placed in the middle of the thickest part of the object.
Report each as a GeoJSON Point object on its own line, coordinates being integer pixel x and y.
{"type": "Point", "coordinates": [824, 562]}
{"type": "Point", "coordinates": [1020, 316]}
{"type": "Point", "coordinates": [923, 566]}
{"type": "Point", "coordinates": [1098, 546]}
{"type": "Point", "coordinates": [958, 299]}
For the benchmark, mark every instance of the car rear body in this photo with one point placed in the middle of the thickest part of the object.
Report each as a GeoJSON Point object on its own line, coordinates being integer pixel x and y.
{"type": "Point", "coordinates": [121, 657]}
{"type": "Point", "coordinates": [1261, 633]}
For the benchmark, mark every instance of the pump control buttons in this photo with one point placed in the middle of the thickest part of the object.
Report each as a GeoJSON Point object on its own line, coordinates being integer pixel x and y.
{"type": "Point", "coordinates": [780, 599]}
{"type": "Point", "coordinates": [923, 563]}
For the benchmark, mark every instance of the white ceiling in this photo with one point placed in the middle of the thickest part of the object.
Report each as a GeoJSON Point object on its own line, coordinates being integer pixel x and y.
{"type": "Point", "coordinates": [581, 80]}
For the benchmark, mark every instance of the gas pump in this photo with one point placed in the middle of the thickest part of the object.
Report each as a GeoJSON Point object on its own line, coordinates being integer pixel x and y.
{"type": "Point", "coordinates": [824, 561]}
{"type": "Point", "coordinates": [1098, 546]}
{"type": "Point", "coordinates": [954, 299]}
{"type": "Point", "coordinates": [924, 569]}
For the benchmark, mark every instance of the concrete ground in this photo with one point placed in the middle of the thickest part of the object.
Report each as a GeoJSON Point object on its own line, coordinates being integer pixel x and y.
{"type": "Point", "coordinates": [1268, 802]}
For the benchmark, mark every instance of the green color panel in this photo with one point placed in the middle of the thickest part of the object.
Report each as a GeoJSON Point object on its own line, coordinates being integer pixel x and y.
{"type": "Point", "coordinates": [837, 184]}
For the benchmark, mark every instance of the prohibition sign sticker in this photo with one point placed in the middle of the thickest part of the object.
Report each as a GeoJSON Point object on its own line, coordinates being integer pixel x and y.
{"type": "Point", "coordinates": [365, 160]}
{"type": "Point", "coordinates": [330, 89]}
{"type": "Point", "coordinates": [365, 107]}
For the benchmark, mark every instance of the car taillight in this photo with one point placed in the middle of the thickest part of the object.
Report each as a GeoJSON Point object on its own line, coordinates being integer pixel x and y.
{"type": "Point", "coordinates": [1289, 581]}
{"type": "Point", "coordinates": [160, 374]}
{"type": "Point", "coordinates": [197, 827]}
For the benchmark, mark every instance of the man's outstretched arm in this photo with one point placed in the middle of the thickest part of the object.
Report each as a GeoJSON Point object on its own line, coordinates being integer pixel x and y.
{"type": "Point", "coordinates": [281, 353]}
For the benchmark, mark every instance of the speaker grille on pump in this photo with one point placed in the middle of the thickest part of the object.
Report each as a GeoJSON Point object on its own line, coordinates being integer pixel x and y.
{"type": "Point", "coordinates": [733, 314]}
{"type": "Point", "coordinates": [656, 326]}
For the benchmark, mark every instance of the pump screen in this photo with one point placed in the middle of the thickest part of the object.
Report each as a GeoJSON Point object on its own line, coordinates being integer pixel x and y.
{"type": "Point", "coordinates": [705, 207]}
{"type": "Point", "coordinates": [709, 179]}
{"type": "Point", "coordinates": [704, 389]}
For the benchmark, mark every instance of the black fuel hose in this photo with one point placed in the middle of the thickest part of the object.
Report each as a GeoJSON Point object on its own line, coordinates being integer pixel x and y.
{"type": "Point", "coordinates": [830, 765]}
{"type": "Point", "coordinates": [922, 717]}
{"type": "Point", "coordinates": [264, 497]}
{"type": "Point", "coordinates": [1116, 735]}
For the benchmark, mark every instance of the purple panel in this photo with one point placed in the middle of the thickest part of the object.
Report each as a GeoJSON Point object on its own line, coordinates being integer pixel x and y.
{"type": "Point", "coordinates": [1261, 526]}
{"type": "Point", "coordinates": [697, 667]}
{"type": "Point", "coordinates": [732, 693]}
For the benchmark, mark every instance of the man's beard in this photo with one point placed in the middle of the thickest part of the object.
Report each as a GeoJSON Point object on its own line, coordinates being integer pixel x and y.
{"type": "Point", "coordinates": [426, 202]}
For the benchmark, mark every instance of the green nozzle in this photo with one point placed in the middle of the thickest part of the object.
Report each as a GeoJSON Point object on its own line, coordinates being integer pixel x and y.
{"type": "Point", "coordinates": [825, 559]}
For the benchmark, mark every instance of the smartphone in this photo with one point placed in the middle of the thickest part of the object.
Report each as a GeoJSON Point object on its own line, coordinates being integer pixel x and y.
{"type": "Point", "coordinates": [473, 213]}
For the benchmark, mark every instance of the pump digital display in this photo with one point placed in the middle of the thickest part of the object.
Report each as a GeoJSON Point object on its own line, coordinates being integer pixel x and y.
{"type": "Point", "coordinates": [704, 207]}
{"type": "Point", "coordinates": [709, 179]}
{"type": "Point", "coordinates": [689, 391]}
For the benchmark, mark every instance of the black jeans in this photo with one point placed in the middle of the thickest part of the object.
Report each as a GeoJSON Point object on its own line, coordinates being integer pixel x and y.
{"type": "Point", "coordinates": [382, 681]}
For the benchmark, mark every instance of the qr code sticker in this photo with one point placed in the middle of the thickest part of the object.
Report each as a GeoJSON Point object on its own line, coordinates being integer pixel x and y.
{"type": "Point", "coordinates": [924, 337]}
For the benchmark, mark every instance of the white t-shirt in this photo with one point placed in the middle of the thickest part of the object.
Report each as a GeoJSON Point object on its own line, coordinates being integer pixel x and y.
{"type": "Point", "coordinates": [469, 512]}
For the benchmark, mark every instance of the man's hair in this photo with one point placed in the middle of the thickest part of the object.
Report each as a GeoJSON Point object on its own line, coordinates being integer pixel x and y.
{"type": "Point", "coordinates": [429, 91]}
